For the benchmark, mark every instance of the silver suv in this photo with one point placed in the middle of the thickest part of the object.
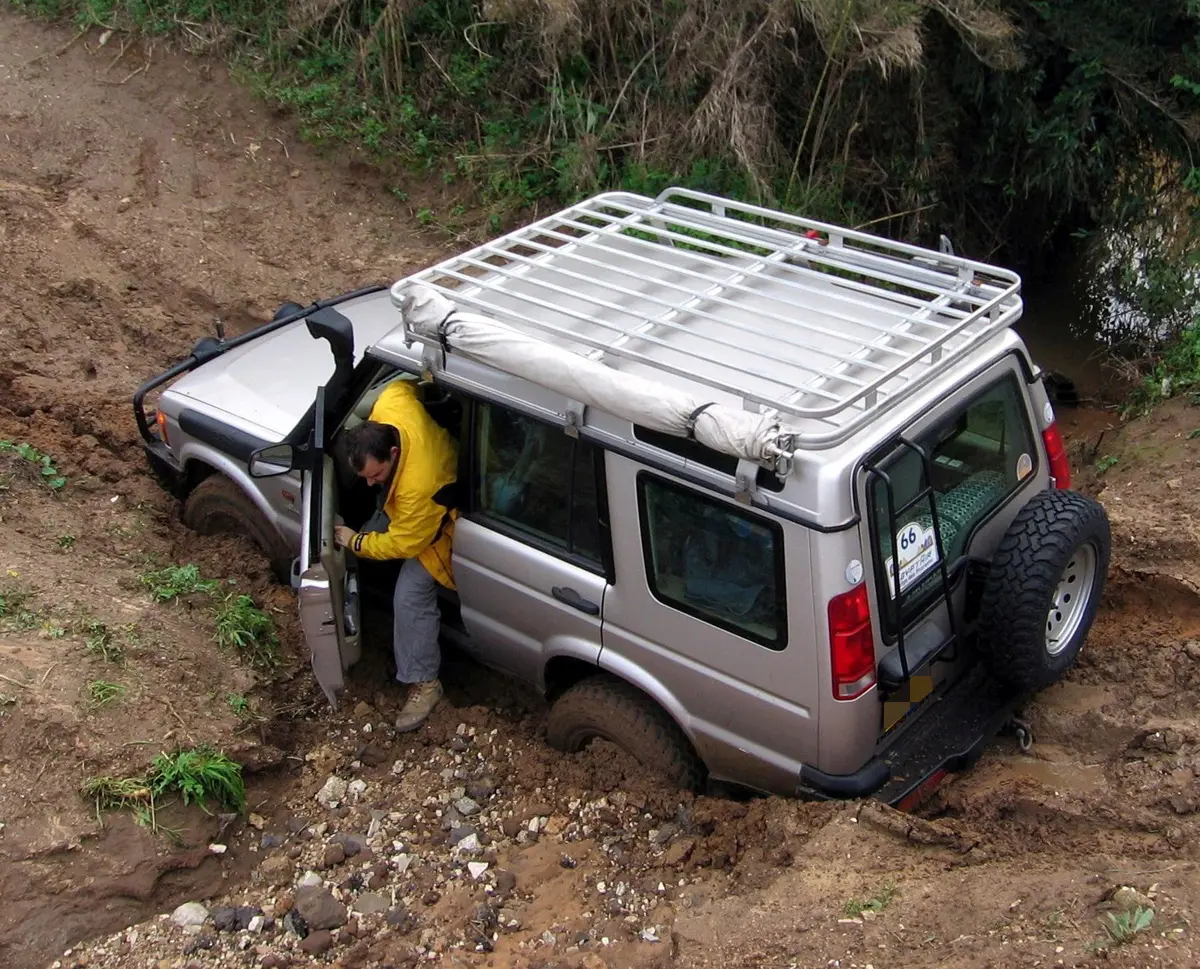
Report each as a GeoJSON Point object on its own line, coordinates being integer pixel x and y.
{"type": "Point", "coordinates": [758, 499]}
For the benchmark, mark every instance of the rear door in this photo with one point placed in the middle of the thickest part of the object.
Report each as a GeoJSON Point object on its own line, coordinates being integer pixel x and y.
{"type": "Point", "coordinates": [529, 551]}
{"type": "Point", "coordinates": [328, 600]}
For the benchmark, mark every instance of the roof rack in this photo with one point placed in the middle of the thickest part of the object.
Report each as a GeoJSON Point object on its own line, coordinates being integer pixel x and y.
{"type": "Point", "coordinates": [824, 326]}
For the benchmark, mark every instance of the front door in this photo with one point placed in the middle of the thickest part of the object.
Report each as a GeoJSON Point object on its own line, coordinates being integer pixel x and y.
{"type": "Point", "coordinates": [529, 550]}
{"type": "Point", "coordinates": [328, 599]}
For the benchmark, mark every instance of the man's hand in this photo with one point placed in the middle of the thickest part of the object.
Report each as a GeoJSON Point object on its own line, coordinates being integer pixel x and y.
{"type": "Point", "coordinates": [343, 535]}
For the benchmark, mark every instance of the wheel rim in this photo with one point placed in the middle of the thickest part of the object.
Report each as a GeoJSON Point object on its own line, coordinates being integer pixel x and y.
{"type": "Point", "coordinates": [1072, 598]}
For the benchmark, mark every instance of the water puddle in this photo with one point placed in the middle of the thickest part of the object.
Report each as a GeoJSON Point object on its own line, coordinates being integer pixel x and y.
{"type": "Point", "coordinates": [1062, 778]}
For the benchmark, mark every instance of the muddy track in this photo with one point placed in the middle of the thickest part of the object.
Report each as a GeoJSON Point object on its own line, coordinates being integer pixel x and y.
{"type": "Point", "coordinates": [134, 215]}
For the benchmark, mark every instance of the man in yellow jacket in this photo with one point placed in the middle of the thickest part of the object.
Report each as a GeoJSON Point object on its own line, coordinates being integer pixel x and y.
{"type": "Point", "coordinates": [415, 462]}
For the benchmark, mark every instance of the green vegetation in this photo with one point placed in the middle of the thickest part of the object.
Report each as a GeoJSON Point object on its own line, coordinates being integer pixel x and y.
{"type": "Point", "coordinates": [1123, 927]}
{"type": "Point", "coordinates": [99, 640]}
{"type": "Point", "coordinates": [66, 542]}
{"type": "Point", "coordinates": [854, 907]}
{"type": "Point", "coordinates": [177, 582]}
{"type": "Point", "coordinates": [1001, 121]}
{"type": "Point", "coordinates": [15, 611]}
{"type": "Point", "coordinates": [103, 692]}
{"type": "Point", "coordinates": [238, 703]}
{"type": "Point", "coordinates": [243, 626]}
{"type": "Point", "coordinates": [198, 775]}
{"type": "Point", "coordinates": [1106, 462]}
{"type": "Point", "coordinates": [43, 465]}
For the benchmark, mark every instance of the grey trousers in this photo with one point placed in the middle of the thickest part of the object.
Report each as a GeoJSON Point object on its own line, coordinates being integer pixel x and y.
{"type": "Point", "coordinates": [416, 625]}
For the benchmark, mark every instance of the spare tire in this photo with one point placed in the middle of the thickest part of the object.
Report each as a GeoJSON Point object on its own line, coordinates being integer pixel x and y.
{"type": "Point", "coordinates": [1043, 589]}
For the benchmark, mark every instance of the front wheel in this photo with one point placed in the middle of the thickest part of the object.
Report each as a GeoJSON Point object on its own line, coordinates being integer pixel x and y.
{"type": "Point", "coordinates": [1043, 589]}
{"type": "Point", "coordinates": [218, 505]}
{"type": "Point", "coordinates": [611, 709]}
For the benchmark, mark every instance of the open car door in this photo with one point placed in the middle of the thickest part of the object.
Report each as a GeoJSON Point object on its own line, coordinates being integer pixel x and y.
{"type": "Point", "coordinates": [328, 594]}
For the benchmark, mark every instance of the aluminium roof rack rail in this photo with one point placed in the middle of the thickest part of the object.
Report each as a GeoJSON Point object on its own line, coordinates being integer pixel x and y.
{"type": "Point", "coordinates": [825, 327]}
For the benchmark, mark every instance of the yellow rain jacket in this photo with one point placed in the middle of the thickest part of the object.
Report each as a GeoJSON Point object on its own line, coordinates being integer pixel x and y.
{"type": "Point", "coordinates": [417, 526]}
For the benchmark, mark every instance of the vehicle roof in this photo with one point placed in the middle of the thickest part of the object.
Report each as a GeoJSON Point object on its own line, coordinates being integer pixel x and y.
{"type": "Point", "coordinates": [827, 327]}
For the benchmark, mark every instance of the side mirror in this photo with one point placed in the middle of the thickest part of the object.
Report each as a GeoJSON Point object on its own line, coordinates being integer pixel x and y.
{"type": "Point", "coordinates": [272, 460]}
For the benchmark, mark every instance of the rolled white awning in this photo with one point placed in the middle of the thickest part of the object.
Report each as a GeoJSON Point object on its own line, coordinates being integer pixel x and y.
{"type": "Point", "coordinates": [431, 318]}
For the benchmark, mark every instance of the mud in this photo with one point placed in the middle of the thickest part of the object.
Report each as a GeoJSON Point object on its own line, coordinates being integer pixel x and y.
{"type": "Point", "coordinates": [137, 211]}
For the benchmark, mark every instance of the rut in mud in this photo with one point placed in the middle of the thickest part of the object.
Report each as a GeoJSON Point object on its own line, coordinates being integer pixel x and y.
{"type": "Point", "coordinates": [137, 211]}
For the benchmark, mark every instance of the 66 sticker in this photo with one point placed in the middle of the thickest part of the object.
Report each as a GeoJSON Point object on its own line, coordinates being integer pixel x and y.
{"type": "Point", "coordinates": [917, 548]}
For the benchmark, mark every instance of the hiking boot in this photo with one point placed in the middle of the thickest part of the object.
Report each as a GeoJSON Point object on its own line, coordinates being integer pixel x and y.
{"type": "Point", "coordinates": [422, 698]}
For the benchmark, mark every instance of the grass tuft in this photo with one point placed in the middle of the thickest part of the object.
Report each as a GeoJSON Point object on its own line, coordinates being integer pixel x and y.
{"type": "Point", "coordinates": [103, 692]}
{"type": "Point", "coordinates": [198, 775]}
{"type": "Point", "coordinates": [43, 465]}
{"type": "Point", "coordinates": [1123, 927]}
{"type": "Point", "coordinates": [854, 907]}
{"type": "Point", "coordinates": [100, 641]}
{"type": "Point", "coordinates": [177, 582]}
{"type": "Point", "coordinates": [241, 625]}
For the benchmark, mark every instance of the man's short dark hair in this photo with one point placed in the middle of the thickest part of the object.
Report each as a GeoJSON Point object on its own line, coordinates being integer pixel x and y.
{"type": "Point", "coordinates": [370, 439]}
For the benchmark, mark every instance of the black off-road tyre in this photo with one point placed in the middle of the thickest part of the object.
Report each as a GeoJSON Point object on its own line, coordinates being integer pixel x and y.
{"type": "Point", "coordinates": [606, 707]}
{"type": "Point", "coordinates": [1046, 549]}
{"type": "Point", "coordinates": [217, 505]}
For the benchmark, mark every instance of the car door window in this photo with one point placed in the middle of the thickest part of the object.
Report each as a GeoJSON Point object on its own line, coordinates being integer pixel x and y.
{"type": "Point", "coordinates": [714, 561]}
{"type": "Point", "coordinates": [979, 457]}
{"type": "Point", "coordinates": [539, 484]}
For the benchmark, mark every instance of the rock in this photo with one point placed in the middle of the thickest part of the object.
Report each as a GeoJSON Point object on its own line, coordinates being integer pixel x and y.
{"type": "Point", "coordinates": [277, 870]}
{"type": "Point", "coordinates": [401, 920]}
{"type": "Point", "coordinates": [189, 913]}
{"type": "Point", "coordinates": [271, 841]}
{"type": "Point", "coordinates": [679, 852]}
{"type": "Point", "coordinates": [376, 882]}
{"type": "Point", "coordinates": [224, 919]}
{"type": "Point", "coordinates": [317, 943]}
{"type": "Point", "coordinates": [332, 792]}
{"type": "Point", "coordinates": [593, 961]}
{"type": "Point", "coordinates": [540, 809]}
{"type": "Point", "coordinates": [481, 788]}
{"type": "Point", "coordinates": [257, 923]}
{"type": "Point", "coordinates": [334, 856]}
{"type": "Point", "coordinates": [352, 844]}
{"type": "Point", "coordinates": [368, 903]}
{"type": "Point", "coordinates": [511, 827]}
{"type": "Point", "coordinates": [199, 944]}
{"type": "Point", "coordinates": [431, 898]}
{"type": "Point", "coordinates": [554, 824]}
{"type": "Point", "coordinates": [357, 788]}
{"type": "Point", "coordinates": [458, 745]}
{"type": "Point", "coordinates": [284, 903]}
{"type": "Point", "coordinates": [363, 709]}
{"type": "Point", "coordinates": [665, 833]}
{"type": "Point", "coordinates": [294, 922]}
{"type": "Point", "coordinates": [1126, 899]}
{"type": "Point", "coordinates": [469, 844]}
{"type": "Point", "coordinates": [320, 909]}
{"type": "Point", "coordinates": [506, 881]}
{"type": "Point", "coordinates": [461, 834]}
{"type": "Point", "coordinates": [310, 879]}
{"type": "Point", "coordinates": [272, 960]}
{"type": "Point", "coordinates": [477, 868]}
{"type": "Point", "coordinates": [466, 807]}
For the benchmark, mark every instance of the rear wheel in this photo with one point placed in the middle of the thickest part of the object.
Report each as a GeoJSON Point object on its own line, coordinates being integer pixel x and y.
{"type": "Point", "coordinates": [217, 505]}
{"type": "Point", "coordinates": [1043, 589]}
{"type": "Point", "coordinates": [606, 707]}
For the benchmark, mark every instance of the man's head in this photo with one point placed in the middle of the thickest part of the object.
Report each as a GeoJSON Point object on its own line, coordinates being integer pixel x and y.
{"type": "Point", "coordinates": [373, 450]}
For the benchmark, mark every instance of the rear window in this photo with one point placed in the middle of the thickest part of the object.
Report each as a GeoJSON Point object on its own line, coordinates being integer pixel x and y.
{"type": "Point", "coordinates": [979, 457]}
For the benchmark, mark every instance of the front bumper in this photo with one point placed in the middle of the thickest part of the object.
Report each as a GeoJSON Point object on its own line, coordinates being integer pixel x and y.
{"type": "Point", "coordinates": [949, 736]}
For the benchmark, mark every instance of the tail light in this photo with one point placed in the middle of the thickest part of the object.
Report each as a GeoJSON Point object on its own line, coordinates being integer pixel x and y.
{"type": "Point", "coordinates": [851, 643]}
{"type": "Point", "coordinates": [161, 419]}
{"type": "Point", "coordinates": [1056, 453]}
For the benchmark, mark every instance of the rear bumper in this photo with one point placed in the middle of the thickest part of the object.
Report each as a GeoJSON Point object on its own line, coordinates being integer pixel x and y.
{"type": "Point", "coordinates": [949, 736]}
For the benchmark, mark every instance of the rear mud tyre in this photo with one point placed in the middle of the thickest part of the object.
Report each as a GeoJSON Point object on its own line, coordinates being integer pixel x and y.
{"type": "Point", "coordinates": [1043, 589]}
{"type": "Point", "coordinates": [605, 707]}
{"type": "Point", "coordinates": [218, 506]}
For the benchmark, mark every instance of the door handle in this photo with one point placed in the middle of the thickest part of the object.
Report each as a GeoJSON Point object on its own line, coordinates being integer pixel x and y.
{"type": "Point", "coordinates": [573, 599]}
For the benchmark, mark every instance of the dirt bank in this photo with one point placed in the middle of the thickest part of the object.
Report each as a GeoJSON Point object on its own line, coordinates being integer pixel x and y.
{"type": "Point", "coordinates": [136, 209]}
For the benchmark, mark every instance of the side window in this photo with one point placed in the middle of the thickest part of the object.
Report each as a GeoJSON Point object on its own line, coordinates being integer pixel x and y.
{"type": "Point", "coordinates": [979, 458]}
{"type": "Point", "coordinates": [538, 482]}
{"type": "Point", "coordinates": [714, 561]}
